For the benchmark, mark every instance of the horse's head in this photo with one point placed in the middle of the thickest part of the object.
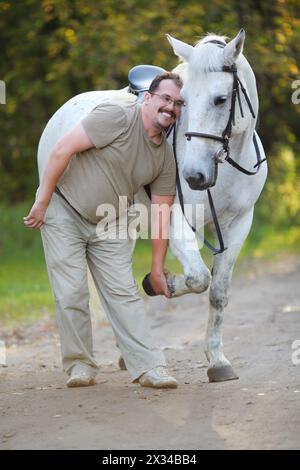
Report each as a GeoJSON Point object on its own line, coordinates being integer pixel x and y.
{"type": "Point", "coordinates": [209, 80]}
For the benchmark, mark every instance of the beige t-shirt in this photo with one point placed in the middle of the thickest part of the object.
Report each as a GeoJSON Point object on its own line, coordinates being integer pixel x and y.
{"type": "Point", "coordinates": [123, 160]}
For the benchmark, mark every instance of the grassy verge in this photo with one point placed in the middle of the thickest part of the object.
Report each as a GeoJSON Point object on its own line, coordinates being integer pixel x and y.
{"type": "Point", "coordinates": [24, 287]}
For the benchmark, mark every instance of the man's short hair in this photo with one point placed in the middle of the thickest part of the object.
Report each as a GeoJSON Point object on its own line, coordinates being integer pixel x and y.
{"type": "Point", "coordinates": [165, 76]}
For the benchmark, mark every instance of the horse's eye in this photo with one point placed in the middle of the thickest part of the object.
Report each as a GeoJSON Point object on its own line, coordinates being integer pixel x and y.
{"type": "Point", "coordinates": [220, 99]}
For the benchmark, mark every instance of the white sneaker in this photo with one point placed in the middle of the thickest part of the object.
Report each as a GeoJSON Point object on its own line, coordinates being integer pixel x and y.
{"type": "Point", "coordinates": [82, 376]}
{"type": "Point", "coordinates": [158, 378]}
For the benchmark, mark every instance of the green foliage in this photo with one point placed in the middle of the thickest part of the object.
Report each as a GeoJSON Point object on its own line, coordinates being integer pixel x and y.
{"type": "Point", "coordinates": [24, 286]}
{"type": "Point", "coordinates": [283, 189]}
{"type": "Point", "coordinates": [54, 49]}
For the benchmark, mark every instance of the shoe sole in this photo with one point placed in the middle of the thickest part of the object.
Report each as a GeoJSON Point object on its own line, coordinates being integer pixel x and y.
{"type": "Point", "coordinates": [77, 382]}
{"type": "Point", "coordinates": [169, 384]}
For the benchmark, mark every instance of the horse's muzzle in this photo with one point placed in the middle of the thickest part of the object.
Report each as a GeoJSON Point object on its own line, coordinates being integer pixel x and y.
{"type": "Point", "coordinates": [199, 182]}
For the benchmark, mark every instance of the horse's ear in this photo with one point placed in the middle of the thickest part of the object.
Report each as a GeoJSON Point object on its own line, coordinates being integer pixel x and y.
{"type": "Point", "coordinates": [234, 48]}
{"type": "Point", "coordinates": [180, 48]}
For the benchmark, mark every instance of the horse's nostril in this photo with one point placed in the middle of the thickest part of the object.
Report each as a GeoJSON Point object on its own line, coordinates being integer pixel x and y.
{"type": "Point", "coordinates": [201, 178]}
{"type": "Point", "coordinates": [196, 181]}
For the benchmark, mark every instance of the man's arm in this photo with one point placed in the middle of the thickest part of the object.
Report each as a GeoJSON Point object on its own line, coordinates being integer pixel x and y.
{"type": "Point", "coordinates": [71, 143]}
{"type": "Point", "coordinates": [160, 241]}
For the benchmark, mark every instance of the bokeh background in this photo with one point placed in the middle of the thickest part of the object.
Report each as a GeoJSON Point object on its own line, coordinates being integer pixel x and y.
{"type": "Point", "coordinates": [52, 50]}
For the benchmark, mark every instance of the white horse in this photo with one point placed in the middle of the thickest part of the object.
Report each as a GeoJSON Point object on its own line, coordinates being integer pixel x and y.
{"type": "Point", "coordinates": [207, 90]}
{"type": "Point", "coordinates": [215, 122]}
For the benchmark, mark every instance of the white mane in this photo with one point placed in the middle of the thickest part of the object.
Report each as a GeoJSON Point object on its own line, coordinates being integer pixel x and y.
{"type": "Point", "coordinates": [208, 58]}
{"type": "Point", "coordinates": [204, 59]}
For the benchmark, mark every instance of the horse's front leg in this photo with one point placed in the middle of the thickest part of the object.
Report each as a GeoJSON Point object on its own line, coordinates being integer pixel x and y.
{"type": "Point", "coordinates": [183, 244]}
{"type": "Point", "coordinates": [220, 368]}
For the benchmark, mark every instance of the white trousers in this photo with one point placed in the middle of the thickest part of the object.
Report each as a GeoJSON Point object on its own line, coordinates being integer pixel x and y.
{"type": "Point", "coordinates": [70, 244]}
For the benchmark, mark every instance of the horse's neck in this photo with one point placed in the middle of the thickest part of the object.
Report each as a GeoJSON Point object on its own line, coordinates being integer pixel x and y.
{"type": "Point", "coordinates": [241, 148]}
{"type": "Point", "coordinates": [243, 141]}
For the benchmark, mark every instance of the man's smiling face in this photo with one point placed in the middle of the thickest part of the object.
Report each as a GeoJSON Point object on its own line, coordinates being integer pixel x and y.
{"type": "Point", "coordinates": [161, 113]}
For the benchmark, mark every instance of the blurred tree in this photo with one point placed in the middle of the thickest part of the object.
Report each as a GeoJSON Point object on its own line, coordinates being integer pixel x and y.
{"type": "Point", "coordinates": [54, 49]}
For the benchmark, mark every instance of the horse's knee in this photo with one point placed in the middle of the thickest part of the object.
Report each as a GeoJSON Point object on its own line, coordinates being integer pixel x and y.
{"type": "Point", "coordinates": [218, 296]}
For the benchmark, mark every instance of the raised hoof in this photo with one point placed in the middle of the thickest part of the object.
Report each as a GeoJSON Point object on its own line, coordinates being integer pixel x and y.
{"type": "Point", "coordinates": [221, 374]}
{"type": "Point", "coordinates": [122, 364]}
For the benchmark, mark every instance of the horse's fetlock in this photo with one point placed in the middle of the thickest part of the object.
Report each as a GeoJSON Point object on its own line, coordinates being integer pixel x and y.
{"type": "Point", "coordinates": [198, 282]}
{"type": "Point", "coordinates": [171, 282]}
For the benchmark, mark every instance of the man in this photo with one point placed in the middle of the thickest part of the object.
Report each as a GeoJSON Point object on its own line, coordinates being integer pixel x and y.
{"type": "Point", "coordinates": [115, 150]}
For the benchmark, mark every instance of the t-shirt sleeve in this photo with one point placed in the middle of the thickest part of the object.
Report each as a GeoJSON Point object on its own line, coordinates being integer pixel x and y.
{"type": "Point", "coordinates": [165, 183]}
{"type": "Point", "coordinates": [105, 124]}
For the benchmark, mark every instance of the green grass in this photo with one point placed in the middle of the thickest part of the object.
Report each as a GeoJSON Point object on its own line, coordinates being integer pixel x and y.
{"type": "Point", "coordinates": [24, 287]}
{"type": "Point", "coordinates": [142, 260]}
{"type": "Point", "coordinates": [267, 241]}
{"type": "Point", "coordinates": [25, 293]}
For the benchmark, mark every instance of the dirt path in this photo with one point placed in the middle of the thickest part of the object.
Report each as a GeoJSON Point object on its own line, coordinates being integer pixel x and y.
{"type": "Point", "coordinates": [260, 410]}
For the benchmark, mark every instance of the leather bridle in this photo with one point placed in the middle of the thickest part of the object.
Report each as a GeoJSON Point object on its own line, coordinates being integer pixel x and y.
{"type": "Point", "coordinates": [224, 139]}
{"type": "Point", "coordinates": [226, 134]}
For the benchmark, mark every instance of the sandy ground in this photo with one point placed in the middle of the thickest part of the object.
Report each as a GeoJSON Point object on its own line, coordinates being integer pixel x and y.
{"type": "Point", "coordinates": [261, 410]}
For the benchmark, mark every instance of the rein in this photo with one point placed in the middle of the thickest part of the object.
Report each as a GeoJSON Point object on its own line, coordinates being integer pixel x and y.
{"type": "Point", "coordinates": [224, 139]}
{"type": "Point", "coordinates": [210, 200]}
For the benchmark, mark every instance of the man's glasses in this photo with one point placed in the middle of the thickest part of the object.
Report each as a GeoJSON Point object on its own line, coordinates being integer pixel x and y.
{"type": "Point", "coordinates": [168, 100]}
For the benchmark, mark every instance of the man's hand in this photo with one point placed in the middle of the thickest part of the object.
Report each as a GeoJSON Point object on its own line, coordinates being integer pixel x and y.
{"type": "Point", "coordinates": [35, 218]}
{"type": "Point", "coordinates": [159, 284]}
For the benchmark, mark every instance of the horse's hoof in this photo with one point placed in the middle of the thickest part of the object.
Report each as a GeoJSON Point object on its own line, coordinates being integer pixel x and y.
{"type": "Point", "coordinates": [147, 286]}
{"type": "Point", "coordinates": [221, 374]}
{"type": "Point", "coordinates": [122, 364]}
